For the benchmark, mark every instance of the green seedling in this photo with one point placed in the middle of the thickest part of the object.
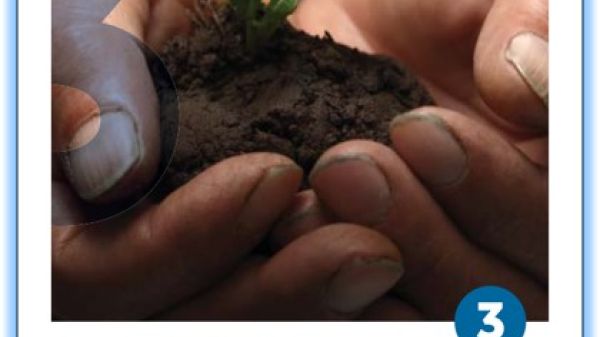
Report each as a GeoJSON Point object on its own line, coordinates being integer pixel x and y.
{"type": "Point", "coordinates": [262, 20]}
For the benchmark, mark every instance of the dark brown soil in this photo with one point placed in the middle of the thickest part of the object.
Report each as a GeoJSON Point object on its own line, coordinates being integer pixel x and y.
{"type": "Point", "coordinates": [297, 96]}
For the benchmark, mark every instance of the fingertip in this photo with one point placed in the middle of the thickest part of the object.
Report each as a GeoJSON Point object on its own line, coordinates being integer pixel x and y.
{"type": "Point", "coordinates": [245, 193]}
{"type": "Point", "coordinates": [495, 180]}
{"type": "Point", "coordinates": [270, 197]}
{"type": "Point", "coordinates": [102, 152]}
{"type": "Point", "coordinates": [511, 63]}
{"type": "Point", "coordinates": [303, 216]}
{"type": "Point", "coordinates": [429, 146]}
{"type": "Point", "coordinates": [72, 108]}
{"type": "Point", "coordinates": [106, 160]}
{"type": "Point", "coordinates": [350, 182]}
{"type": "Point", "coordinates": [347, 267]}
{"type": "Point", "coordinates": [361, 281]}
{"type": "Point", "coordinates": [114, 151]}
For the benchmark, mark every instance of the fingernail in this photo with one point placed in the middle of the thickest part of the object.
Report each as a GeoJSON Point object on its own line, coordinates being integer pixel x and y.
{"type": "Point", "coordinates": [528, 53]}
{"type": "Point", "coordinates": [353, 187]}
{"type": "Point", "coordinates": [96, 167]}
{"type": "Point", "coordinates": [86, 133]}
{"type": "Point", "coordinates": [360, 282]}
{"type": "Point", "coordinates": [266, 198]}
{"type": "Point", "coordinates": [304, 204]}
{"type": "Point", "coordinates": [429, 148]}
{"type": "Point", "coordinates": [304, 216]}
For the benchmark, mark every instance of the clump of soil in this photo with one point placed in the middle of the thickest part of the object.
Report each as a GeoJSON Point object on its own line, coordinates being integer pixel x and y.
{"type": "Point", "coordinates": [298, 96]}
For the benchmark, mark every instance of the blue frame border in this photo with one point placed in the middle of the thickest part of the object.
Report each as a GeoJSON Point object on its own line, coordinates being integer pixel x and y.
{"type": "Point", "coordinates": [11, 130]}
{"type": "Point", "coordinates": [589, 326]}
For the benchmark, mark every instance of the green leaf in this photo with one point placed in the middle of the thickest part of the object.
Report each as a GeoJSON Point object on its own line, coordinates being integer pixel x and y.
{"type": "Point", "coordinates": [260, 29]}
{"type": "Point", "coordinates": [276, 13]}
{"type": "Point", "coordinates": [280, 9]}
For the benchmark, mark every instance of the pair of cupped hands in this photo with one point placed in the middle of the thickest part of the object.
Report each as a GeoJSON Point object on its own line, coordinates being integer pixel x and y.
{"type": "Point", "coordinates": [459, 200]}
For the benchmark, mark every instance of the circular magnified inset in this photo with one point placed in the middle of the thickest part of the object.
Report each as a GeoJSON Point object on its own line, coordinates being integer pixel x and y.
{"type": "Point", "coordinates": [91, 155]}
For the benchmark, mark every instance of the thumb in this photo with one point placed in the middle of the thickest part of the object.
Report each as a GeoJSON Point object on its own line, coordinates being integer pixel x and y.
{"type": "Point", "coordinates": [511, 62]}
{"type": "Point", "coordinates": [105, 109]}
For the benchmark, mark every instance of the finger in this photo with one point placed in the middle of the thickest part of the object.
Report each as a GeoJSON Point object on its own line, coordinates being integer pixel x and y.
{"type": "Point", "coordinates": [82, 10]}
{"type": "Point", "coordinates": [367, 183]}
{"type": "Point", "coordinates": [134, 268]}
{"type": "Point", "coordinates": [131, 16]}
{"type": "Point", "coordinates": [511, 62]}
{"type": "Point", "coordinates": [168, 18]}
{"type": "Point", "coordinates": [391, 308]}
{"type": "Point", "coordinates": [305, 215]}
{"type": "Point", "coordinates": [100, 67]}
{"type": "Point", "coordinates": [319, 16]}
{"type": "Point", "coordinates": [493, 192]}
{"type": "Point", "coordinates": [332, 273]}
{"type": "Point", "coordinates": [75, 118]}
{"type": "Point", "coordinates": [152, 21]}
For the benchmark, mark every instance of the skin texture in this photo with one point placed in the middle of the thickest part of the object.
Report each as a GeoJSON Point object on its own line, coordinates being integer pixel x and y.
{"type": "Point", "coordinates": [482, 199]}
{"type": "Point", "coordinates": [189, 256]}
{"type": "Point", "coordinates": [460, 214]}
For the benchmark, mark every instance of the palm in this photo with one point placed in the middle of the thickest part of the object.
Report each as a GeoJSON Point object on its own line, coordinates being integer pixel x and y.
{"type": "Point", "coordinates": [435, 39]}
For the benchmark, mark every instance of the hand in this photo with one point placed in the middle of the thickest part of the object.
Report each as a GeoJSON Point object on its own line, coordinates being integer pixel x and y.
{"type": "Point", "coordinates": [189, 256]}
{"type": "Point", "coordinates": [464, 190]}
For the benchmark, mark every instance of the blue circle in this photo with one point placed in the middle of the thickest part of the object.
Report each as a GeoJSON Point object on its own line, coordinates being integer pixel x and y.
{"type": "Point", "coordinates": [475, 315]}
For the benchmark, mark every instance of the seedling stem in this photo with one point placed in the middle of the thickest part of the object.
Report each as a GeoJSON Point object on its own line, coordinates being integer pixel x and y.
{"type": "Point", "coordinates": [262, 20]}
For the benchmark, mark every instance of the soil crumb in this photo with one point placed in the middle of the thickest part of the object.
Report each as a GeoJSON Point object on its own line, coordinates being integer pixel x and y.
{"type": "Point", "coordinates": [297, 96]}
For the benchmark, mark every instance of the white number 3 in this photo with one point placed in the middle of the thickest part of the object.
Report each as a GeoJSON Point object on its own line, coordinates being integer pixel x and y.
{"type": "Point", "coordinates": [491, 319]}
